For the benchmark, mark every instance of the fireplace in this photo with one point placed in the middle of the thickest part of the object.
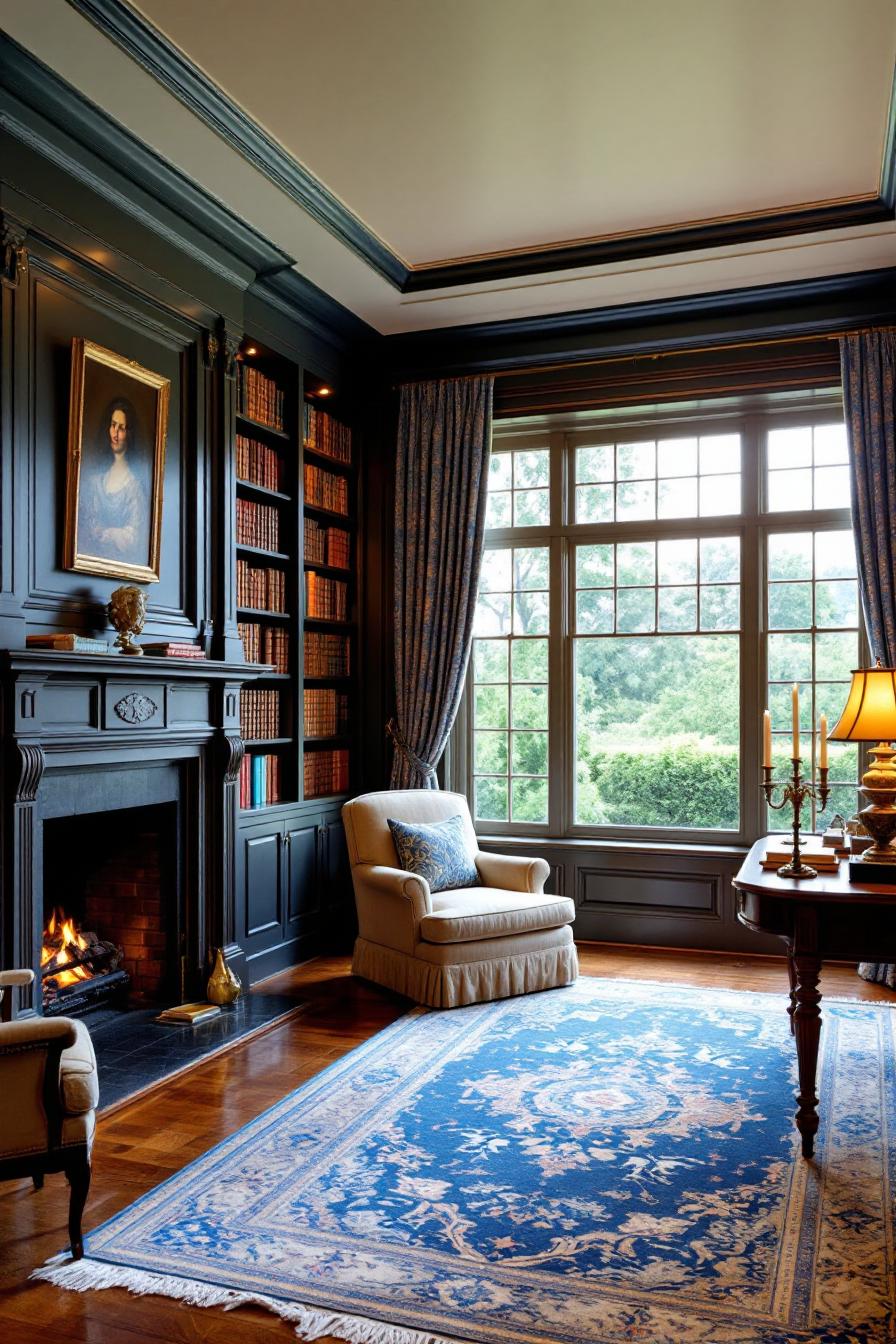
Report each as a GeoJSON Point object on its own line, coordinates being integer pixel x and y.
{"type": "Point", "coordinates": [111, 905]}
{"type": "Point", "coordinates": [128, 825]}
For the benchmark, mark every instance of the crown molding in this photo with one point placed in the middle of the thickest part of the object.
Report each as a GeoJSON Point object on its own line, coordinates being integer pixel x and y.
{"type": "Point", "coordinates": [136, 36]}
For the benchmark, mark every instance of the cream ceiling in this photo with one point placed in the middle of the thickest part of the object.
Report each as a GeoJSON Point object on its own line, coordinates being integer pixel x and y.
{"type": "Point", "coordinates": [458, 128]}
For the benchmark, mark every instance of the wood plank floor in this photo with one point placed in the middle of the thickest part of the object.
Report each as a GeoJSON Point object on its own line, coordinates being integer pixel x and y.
{"type": "Point", "coordinates": [146, 1141]}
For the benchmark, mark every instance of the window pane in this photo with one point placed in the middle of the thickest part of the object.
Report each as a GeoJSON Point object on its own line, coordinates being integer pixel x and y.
{"type": "Point", "coordinates": [789, 490]}
{"type": "Point", "coordinates": [636, 499]}
{"type": "Point", "coordinates": [789, 657]}
{"type": "Point", "coordinates": [719, 494]}
{"type": "Point", "coordinates": [677, 608]}
{"type": "Point", "coordinates": [499, 511]}
{"type": "Point", "coordinates": [836, 602]}
{"type": "Point", "coordinates": [489, 660]}
{"type": "Point", "coordinates": [530, 567]}
{"type": "Point", "coordinates": [594, 504]}
{"type": "Point", "coordinates": [530, 800]}
{"type": "Point", "coordinates": [789, 448]}
{"type": "Point", "coordinates": [789, 605]}
{"type": "Point", "coordinates": [635, 609]}
{"type": "Point", "coordinates": [595, 611]}
{"type": "Point", "coordinates": [643, 690]}
{"type": "Point", "coordinates": [530, 614]}
{"type": "Point", "coordinates": [635, 461]}
{"type": "Point", "coordinates": [490, 707]}
{"type": "Point", "coordinates": [529, 707]}
{"type": "Point", "coordinates": [531, 508]}
{"type": "Point", "coordinates": [490, 799]}
{"type": "Point", "coordinates": [635, 563]}
{"type": "Point", "coordinates": [594, 464]}
{"type": "Point", "coordinates": [495, 576]}
{"type": "Point", "coordinates": [719, 560]}
{"type": "Point", "coordinates": [530, 753]}
{"type": "Point", "coordinates": [832, 488]}
{"type": "Point", "coordinates": [492, 614]}
{"type": "Point", "coordinates": [830, 445]}
{"type": "Point", "coordinates": [500, 471]}
{"type": "Point", "coordinates": [835, 657]}
{"type": "Point", "coordinates": [531, 469]}
{"type": "Point", "coordinates": [677, 498]}
{"type": "Point", "coordinates": [594, 566]}
{"type": "Point", "coordinates": [790, 555]}
{"type": "Point", "coordinates": [677, 561]}
{"type": "Point", "coordinates": [676, 457]}
{"type": "Point", "coordinates": [719, 454]}
{"type": "Point", "coordinates": [529, 658]}
{"type": "Point", "coordinates": [835, 555]}
{"type": "Point", "coordinates": [720, 607]}
{"type": "Point", "coordinates": [490, 752]}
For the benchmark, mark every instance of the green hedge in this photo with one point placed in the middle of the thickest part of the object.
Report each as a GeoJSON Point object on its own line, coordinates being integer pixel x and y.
{"type": "Point", "coordinates": [683, 785]}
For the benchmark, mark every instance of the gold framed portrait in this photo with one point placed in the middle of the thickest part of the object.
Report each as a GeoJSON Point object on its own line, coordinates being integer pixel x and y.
{"type": "Point", "coordinates": [117, 428]}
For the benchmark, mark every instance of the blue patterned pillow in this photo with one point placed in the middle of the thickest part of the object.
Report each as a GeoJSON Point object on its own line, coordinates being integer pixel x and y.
{"type": "Point", "coordinates": [439, 852]}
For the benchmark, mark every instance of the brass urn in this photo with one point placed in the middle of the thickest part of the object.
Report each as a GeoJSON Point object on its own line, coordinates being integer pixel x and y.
{"type": "Point", "coordinates": [223, 986]}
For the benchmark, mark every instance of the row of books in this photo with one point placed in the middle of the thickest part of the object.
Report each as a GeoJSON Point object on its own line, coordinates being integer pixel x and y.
{"type": "Point", "coordinates": [326, 655]}
{"type": "Point", "coordinates": [326, 435]}
{"type": "Point", "coordinates": [257, 525]}
{"type": "Point", "coordinates": [259, 713]}
{"type": "Point", "coordinates": [259, 780]}
{"type": "Point", "coordinates": [325, 490]}
{"type": "Point", "coordinates": [259, 397]}
{"type": "Point", "coordinates": [326, 713]}
{"type": "Point", "coordinates": [327, 545]}
{"type": "Point", "coordinates": [265, 644]}
{"type": "Point", "coordinates": [325, 599]}
{"type": "Point", "coordinates": [326, 772]}
{"type": "Point", "coordinates": [263, 589]}
{"type": "Point", "coordinates": [257, 463]}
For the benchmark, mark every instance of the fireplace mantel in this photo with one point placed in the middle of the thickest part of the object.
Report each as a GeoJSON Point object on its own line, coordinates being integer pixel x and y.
{"type": "Point", "coordinates": [85, 717]}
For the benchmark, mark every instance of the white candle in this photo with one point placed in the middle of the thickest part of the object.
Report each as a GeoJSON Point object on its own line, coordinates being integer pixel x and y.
{"type": "Point", "coordinates": [823, 747]}
{"type": "Point", "coordinates": [766, 738]}
{"type": "Point", "coordinates": [795, 703]}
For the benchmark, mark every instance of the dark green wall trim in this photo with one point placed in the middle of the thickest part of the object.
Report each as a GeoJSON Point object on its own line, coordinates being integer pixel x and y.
{"type": "Point", "coordinates": [166, 63]}
{"type": "Point", "coordinates": [661, 242]}
{"type": "Point", "coordinates": [53, 119]}
{"type": "Point", "coordinates": [766, 312]}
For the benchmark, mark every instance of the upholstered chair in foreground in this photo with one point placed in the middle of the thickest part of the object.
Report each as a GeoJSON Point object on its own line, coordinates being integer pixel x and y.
{"type": "Point", "coordinates": [48, 1100]}
{"type": "Point", "coordinates": [496, 935]}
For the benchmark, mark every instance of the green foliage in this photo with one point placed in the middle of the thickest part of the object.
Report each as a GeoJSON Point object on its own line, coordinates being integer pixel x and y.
{"type": "Point", "coordinates": [680, 785]}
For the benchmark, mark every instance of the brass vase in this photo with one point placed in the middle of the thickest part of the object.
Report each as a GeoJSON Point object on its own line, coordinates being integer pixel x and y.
{"type": "Point", "coordinates": [223, 986]}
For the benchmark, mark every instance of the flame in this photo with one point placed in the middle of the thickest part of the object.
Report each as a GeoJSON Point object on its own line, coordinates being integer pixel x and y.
{"type": "Point", "coordinates": [61, 935]}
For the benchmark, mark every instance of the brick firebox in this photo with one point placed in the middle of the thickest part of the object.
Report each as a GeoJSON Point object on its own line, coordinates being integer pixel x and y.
{"type": "Point", "coordinates": [124, 904]}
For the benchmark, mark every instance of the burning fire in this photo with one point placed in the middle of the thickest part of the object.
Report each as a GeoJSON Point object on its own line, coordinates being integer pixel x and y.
{"type": "Point", "coordinates": [62, 945]}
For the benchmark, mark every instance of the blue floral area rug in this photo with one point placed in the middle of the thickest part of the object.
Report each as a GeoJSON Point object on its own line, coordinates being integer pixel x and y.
{"type": "Point", "coordinates": [610, 1162]}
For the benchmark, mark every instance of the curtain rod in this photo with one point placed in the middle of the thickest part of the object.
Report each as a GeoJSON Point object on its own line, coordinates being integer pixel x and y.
{"type": "Point", "coordinates": [657, 354]}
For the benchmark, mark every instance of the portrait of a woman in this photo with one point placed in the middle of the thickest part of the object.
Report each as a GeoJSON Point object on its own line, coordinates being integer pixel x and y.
{"type": "Point", "coordinates": [114, 506]}
{"type": "Point", "coordinates": [116, 454]}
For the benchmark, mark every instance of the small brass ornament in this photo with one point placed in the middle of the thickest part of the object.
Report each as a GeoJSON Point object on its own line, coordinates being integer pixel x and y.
{"type": "Point", "coordinates": [223, 986]}
{"type": "Point", "coordinates": [127, 613]}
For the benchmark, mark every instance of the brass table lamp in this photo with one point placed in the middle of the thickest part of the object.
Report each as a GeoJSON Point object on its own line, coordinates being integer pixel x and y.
{"type": "Point", "coordinates": [870, 716]}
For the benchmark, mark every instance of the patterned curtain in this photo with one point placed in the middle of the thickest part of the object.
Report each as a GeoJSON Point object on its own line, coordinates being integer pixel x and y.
{"type": "Point", "coordinates": [868, 366]}
{"type": "Point", "coordinates": [441, 482]}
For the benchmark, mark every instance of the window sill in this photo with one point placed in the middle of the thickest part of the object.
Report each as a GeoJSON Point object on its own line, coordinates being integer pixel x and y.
{"type": "Point", "coordinates": [691, 847]}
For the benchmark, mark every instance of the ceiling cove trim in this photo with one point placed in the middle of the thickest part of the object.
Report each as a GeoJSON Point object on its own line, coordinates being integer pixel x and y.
{"type": "Point", "coordinates": [176, 72]}
{"type": "Point", "coordinates": [788, 309]}
{"type": "Point", "coordinates": [90, 146]}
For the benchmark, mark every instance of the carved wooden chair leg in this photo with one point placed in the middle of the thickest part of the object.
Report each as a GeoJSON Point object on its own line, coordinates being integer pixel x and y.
{"type": "Point", "coordinates": [38, 1180]}
{"type": "Point", "coordinates": [78, 1174]}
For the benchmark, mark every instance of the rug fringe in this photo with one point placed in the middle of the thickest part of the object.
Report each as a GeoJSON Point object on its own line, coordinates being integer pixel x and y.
{"type": "Point", "coordinates": [81, 1276]}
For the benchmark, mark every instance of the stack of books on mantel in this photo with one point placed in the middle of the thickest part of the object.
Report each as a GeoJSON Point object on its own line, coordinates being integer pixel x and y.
{"type": "Point", "coordinates": [173, 648]}
{"type": "Point", "coordinates": [812, 852]}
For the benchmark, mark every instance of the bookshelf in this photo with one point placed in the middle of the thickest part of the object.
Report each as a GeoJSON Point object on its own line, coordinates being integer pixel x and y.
{"type": "Point", "coordinates": [329, 548]}
{"type": "Point", "coordinates": [267, 469]}
{"type": "Point", "coordinates": [295, 531]}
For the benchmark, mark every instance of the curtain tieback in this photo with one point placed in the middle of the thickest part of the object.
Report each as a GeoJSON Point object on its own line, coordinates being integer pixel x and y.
{"type": "Point", "coordinates": [422, 767]}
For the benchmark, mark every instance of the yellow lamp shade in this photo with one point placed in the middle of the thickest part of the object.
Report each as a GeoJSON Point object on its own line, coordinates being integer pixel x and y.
{"type": "Point", "coordinates": [870, 711]}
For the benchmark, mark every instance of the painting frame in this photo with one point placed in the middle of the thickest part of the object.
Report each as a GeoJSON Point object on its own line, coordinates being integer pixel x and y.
{"type": "Point", "coordinates": [131, 551]}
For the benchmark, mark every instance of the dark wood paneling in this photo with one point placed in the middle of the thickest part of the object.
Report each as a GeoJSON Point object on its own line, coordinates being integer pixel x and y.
{"type": "Point", "coordinates": [262, 892]}
{"type": "Point", "coordinates": [635, 890]}
{"type": "Point", "coordinates": [302, 891]}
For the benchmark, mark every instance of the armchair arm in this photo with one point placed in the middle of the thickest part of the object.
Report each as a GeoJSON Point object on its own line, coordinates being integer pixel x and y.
{"type": "Point", "coordinates": [512, 873]}
{"type": "Point", "coordinates": [31, 1108]}
{"type": "Point", "coordinates": [34, 1032]}
{"type": "Point", "coordinates": [10, 978]}
{"type": "Point", "coordinates": [390, 903]}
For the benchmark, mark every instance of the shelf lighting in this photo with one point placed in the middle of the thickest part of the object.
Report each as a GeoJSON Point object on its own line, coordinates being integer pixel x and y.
{"type": "Point", "coordinates": [251, 350]}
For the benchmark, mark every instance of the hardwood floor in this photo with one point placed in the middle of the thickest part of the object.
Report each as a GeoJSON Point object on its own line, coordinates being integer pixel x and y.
{"type": "Point", "coordinates": [146, 1141]}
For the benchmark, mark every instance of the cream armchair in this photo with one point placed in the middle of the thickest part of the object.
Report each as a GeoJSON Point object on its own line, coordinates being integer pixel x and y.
{"type": "Point", "coordinates": [466, 945]}
{"type": "Point", "coordinates": [48, 1099]}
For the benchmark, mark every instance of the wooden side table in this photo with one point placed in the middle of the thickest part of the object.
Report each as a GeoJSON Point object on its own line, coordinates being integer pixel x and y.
{"type": "Point", "coordinates": [822, 918]}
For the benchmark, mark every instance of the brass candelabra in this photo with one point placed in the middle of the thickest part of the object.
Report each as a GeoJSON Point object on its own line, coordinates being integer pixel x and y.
{"type": "Point", "coordinates": [796, 791]}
